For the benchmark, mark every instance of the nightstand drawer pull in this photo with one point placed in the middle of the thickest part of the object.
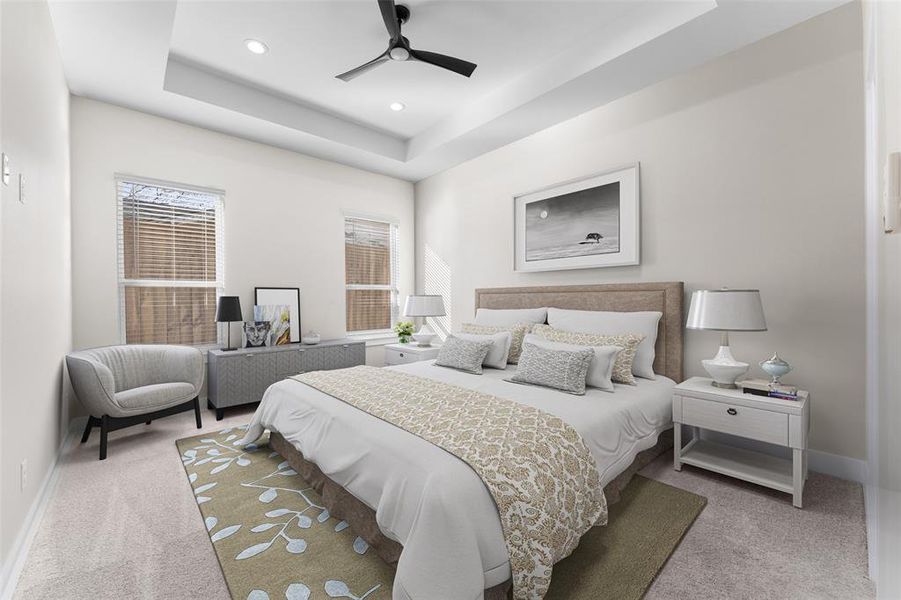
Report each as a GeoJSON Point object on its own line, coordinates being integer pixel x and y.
{"type": "Point", "coordinates": [732, 411]}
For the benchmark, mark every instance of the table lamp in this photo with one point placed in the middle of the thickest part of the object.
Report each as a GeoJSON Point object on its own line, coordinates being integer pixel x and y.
{"type": "Point", "coordinates": [424, 306]}
{"type": "Point", "coordinates": [726, 310]}
{"type": "Point", "coordinates": [228, 311]}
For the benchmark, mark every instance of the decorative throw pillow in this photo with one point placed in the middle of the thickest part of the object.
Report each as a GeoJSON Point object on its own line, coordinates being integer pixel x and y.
{"type": "Point", "coordinates": [464, 355]}
{"type": "Point", "coordinates": [517, 332]}
{"type": "Point", "coordinates": [614, 323]}
{"type": "Point", "coordinates": [500, 347]}
{"type": "Point", "coordinates": [622, 368]}
{"type": "Point", "coordinates": [564, 370]}
{"type": "Point", "coordinates": [601, 367]}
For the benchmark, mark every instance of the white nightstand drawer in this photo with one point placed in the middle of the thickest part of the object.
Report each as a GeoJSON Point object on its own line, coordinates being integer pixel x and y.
{"type": "Point", "coordinates": [394, 356]}
{"type": "Point", "coordinates": [753, 423]}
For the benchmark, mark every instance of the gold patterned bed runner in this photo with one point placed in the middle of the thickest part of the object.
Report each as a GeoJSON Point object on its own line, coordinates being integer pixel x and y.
{"type": "Point", "coordinates": [536, 467]}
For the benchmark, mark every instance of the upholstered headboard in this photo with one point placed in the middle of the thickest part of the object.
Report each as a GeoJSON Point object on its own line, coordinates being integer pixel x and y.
{"type": "Point", "coordinates": [623, 297]}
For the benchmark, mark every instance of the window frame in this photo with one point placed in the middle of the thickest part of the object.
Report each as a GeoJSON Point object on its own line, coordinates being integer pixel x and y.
{"type": "Point", "coordinates": [122, 281]}
{"type": "Point", "coordinates": [393, 287]}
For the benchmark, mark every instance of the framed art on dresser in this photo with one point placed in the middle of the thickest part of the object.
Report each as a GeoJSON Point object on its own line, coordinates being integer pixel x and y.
{"type": "Point", "coordinates": [278, 297]}
{"type": "Point", "coordinates": [583, 223]}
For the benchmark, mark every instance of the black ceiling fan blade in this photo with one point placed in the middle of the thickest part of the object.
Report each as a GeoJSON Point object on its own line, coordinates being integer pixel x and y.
{"type": "Point", "coordinates": [389, 15]}
{"type": "Point", "coordinates": [450, 63]}
{"type": "Point", "coordinates": [364, 68]}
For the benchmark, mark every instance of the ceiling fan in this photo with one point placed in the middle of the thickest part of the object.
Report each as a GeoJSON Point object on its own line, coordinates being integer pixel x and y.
{"type": "Point", "coordinates": [399, 47]}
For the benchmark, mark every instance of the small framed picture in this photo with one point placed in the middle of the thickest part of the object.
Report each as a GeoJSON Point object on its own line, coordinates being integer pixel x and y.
{"type": "Point", "coordinates": [282, 296]}
{"type": "Point", "coordinates": [580, 224]}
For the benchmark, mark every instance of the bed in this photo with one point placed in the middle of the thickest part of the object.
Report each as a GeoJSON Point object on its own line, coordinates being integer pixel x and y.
{"type": "Point", "coordinates": [426, 511]}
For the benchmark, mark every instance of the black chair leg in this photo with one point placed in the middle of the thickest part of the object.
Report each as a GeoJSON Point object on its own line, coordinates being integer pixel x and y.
{"type": "Point", "coordinates": [87, 429]}
{"type": "Point", "coordinates": [197, 413]}
{"type": "Point", "coordinates": [147, 423]}
{"type": "Point", "coordinates": [104, 432]}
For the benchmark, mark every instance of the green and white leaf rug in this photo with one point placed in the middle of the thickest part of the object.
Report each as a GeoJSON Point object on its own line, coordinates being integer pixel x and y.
{"type": "Point", "coordinates": [275, 540]}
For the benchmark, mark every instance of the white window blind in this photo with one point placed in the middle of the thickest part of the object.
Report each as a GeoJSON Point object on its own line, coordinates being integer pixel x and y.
{"type": "Point", "coordinates": [371, 273]}
{"type": "Point", "coordinates": [171, 265]}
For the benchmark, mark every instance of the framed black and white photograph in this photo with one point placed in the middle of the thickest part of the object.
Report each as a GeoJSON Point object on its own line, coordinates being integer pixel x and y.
{"type": "Point", "coordinates": [580, 224]}
{"type": "Point", "coordinates": [282, 296]}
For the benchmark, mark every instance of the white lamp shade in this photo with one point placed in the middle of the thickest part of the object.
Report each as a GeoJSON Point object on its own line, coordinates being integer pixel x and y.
{"type": "Point", "coordinates": [726, 310]}
{"type": "Point", "coordinates": [424, 306]}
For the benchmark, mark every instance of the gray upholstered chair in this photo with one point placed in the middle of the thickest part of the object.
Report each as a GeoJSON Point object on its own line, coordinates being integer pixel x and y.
{"type": "Point", "coordinates": [122, 386]}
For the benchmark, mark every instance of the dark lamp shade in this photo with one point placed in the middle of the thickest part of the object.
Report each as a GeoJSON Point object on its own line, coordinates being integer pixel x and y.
{"type": "Point", "coordinates": [229, 309]}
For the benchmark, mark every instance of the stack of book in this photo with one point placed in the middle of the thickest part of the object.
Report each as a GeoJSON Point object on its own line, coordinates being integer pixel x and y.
{"type": "Point", "coordinates": [762, 387]}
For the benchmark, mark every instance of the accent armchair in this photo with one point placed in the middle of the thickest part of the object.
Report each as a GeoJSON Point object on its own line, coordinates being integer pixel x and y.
{"type": "Point", "coordinates": [121, 386]}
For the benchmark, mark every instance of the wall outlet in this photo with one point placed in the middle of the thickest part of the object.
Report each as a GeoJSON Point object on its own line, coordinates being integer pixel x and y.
{"type": "Point", "coordinates": [22, 188]}
{"type": "Point", "coordinates": [23, 475]}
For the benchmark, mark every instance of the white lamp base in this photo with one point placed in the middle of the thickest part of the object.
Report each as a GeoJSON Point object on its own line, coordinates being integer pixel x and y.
{"type": "Point", "coordinates": [424, 336]}
{"type": "Point", "coordinates": [724, 369]}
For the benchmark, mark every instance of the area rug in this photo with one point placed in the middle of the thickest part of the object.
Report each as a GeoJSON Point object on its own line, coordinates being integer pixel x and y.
{"type": "Point", "coordinates": [274, 539]}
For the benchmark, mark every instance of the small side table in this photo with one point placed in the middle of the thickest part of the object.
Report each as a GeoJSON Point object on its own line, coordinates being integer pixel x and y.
{"type": "Point", "coordinates": [401, 354]}
{"type": "Point", "coordinates": [782, 422]}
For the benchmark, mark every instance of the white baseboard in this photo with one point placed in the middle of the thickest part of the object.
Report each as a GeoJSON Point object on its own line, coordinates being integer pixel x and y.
{"type": "Point", "coordinates": [12, 566]}
{"type": "Point", "coordinates": [871, 504]}
{"type": "Point", "coordinates": [843, 467]}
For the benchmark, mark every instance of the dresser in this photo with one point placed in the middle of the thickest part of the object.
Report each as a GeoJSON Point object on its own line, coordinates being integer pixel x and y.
{"type": "Point", "coordinates": [241, 376]}
{"type": "Point", "coordinates": [401, 354]}
{"type": "Point", "coordinates": [772, 420]}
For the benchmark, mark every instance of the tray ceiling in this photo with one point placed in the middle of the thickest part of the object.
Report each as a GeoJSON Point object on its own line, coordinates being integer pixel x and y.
{"type": "Point", "coordinates": [539, 63]}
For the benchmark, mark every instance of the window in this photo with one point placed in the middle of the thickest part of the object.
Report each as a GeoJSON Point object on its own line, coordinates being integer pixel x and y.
{"type": "Point", "coordinates": [170, 263]}
{"type": "Point", "coordinates": [370, 272]}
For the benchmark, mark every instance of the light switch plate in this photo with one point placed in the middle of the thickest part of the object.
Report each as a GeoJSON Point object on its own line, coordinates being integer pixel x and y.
{"type": "Point", "coordinates": [5, 169]}
{"type": "Point", "coordinates": [22, 188]}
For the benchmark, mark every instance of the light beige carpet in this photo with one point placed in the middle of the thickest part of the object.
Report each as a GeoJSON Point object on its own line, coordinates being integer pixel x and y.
{"type": "Point", "coordinates": [274, 538]}
{"type": "Point", "coordinates": [128, 527]}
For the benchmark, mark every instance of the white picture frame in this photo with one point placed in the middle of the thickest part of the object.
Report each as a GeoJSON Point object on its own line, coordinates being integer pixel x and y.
{"type": "Point", "coordinates": [583, 223]}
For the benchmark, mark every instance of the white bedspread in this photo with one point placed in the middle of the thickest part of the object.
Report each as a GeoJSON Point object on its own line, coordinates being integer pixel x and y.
{"type": "Point", "coordinates": [429, 500]}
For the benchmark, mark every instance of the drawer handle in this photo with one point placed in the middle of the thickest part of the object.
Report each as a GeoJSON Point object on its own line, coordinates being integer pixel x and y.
{"type": "Point", "coordinates": [731, 411]}
{"type": "Point", "coordinates": [248, 356]}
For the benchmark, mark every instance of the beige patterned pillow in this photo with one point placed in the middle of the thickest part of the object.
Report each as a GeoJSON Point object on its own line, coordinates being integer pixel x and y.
{"type": "Point", "coordinates": [517, 332]}
{"type": "Point", "coordinates": [622, 368]}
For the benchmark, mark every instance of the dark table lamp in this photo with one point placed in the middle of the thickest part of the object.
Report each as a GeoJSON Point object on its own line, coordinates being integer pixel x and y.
{"type": "Point", "coordinates": [229, 311]}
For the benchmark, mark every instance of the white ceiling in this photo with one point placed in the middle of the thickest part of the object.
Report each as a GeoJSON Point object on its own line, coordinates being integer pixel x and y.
{"type": "Point", "coordinates": [540, 62]}
{"type": "Point", "coordinates": [311, 42]}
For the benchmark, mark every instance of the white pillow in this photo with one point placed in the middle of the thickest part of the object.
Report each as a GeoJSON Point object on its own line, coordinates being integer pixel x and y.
{"type": "Point", "coordinates": [614, 323]}
{"type": "Point", "coordinates": [601, 368]}
{"type": "Point", "coordinates": [512, 316]}
{"type": "Point", "coordinates": [500, 347]}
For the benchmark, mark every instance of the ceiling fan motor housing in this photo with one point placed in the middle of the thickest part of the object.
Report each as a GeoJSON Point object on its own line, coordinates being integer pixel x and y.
{"type": "Point", "coordinates": [403, 13]}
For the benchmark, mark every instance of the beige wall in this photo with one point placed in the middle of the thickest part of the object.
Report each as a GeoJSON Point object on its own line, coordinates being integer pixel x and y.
{"type": "Point", "coordinates": [283, 214]}
{"type": "Point", "coordinates": [35, 300]}
{"type": "Point", "coordinates": [883, 43]}
{"type": "Point", "coordinates": [752, 175]}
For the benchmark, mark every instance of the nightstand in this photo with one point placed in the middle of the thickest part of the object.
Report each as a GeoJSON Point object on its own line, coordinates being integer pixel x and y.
{"type": "Point", "coordinates": [775, 421]}
{"type": "Point", "coordinates": [401, 354]}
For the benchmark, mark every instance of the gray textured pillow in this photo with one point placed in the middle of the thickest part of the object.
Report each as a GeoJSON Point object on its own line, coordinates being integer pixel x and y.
{"type": "Point", "coordinates": [464, 355]}
{"type": "Point", "coordinates": [564, 370]}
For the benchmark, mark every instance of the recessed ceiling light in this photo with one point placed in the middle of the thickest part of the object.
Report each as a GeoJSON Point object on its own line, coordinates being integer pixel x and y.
{"type": "Point", "coordinates": [397, 106]}
{"type": "Point", "coordinates": [256, 46]}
